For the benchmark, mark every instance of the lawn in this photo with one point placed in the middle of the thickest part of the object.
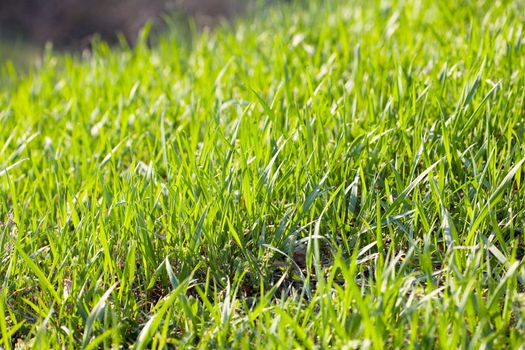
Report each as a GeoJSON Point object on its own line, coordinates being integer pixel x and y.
{"type": "Point", "coordinates": [345, 174]}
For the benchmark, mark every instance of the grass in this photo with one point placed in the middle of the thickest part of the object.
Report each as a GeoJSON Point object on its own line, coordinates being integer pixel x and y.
{"type": "Point", "coordinates": [349, 176]}
{"type": "Point", "coordinates": [18, 53]}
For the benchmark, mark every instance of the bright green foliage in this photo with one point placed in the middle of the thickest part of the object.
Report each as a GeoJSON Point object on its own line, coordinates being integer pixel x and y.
{"type": "Point", "coordinates": [154, 197]}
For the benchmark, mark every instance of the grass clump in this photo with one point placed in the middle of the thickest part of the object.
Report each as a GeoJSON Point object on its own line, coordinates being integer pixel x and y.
{"type": "Point", "coordinates": [335, 174]}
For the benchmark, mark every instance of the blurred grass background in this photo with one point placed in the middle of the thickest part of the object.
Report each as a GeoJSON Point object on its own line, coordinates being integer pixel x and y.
{"type": "Point", "coordinates": [27, 25]}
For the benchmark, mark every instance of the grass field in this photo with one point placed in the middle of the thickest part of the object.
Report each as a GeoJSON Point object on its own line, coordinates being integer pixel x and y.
{"type": "Point", "coordinates": [344, 174]}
